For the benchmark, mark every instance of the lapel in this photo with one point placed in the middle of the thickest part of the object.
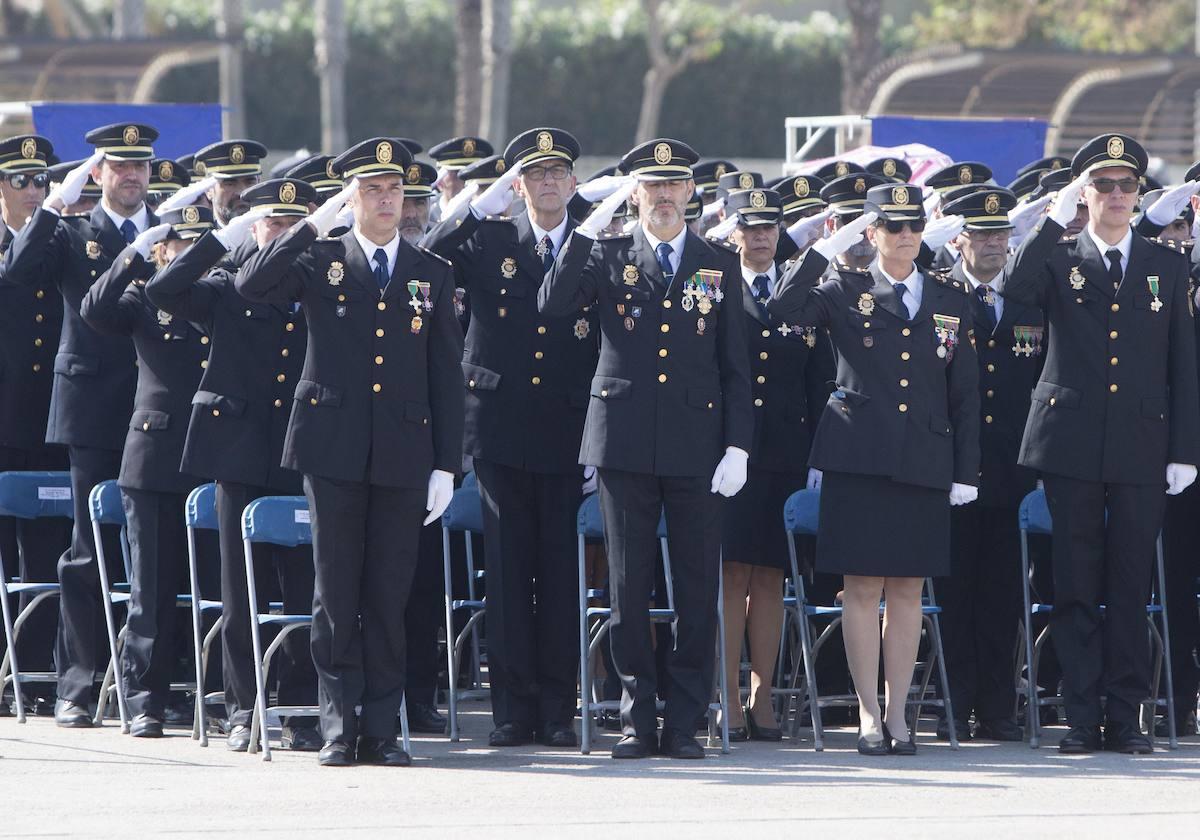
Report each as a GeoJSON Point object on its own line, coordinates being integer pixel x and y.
{"type": "Point", "coordinates": [885, 295]}
{"type": "Point", "coordinates": [689, 262]}
{"type": "Point", "coordinates": [1091, 263]}
{"type": "Point", "coordinates": [358, 266]}
{"type": "Point", "coordinates": [650, 275]}
{"type": "Point", "coordinates": [1135, 273]}
{"type": "Point", "coordinates": [527, 257]}
{"type": "Point", "coordinates": [933, 294]}
{"type": "Point", "coordinates": [110, 238]}
{"type": "Point", "coordinates": [753, 308]}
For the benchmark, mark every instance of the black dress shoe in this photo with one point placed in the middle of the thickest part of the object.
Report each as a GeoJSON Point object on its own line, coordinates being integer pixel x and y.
{"type": "Point", "coordinates": [180, 712]}
{"type": "Point", "coordinates": [1184, 726]}
{"type": "Point", "coordinates": [383, 751]}
{"type": "Point", "coordinates": [1080, 740]}
{"type": "Point", "coordinates": [1127, 739]}
{"type": "Point", "coordinates": [510, 735]}
{"type": "Point", "coordinates": [301, 738]}
{"type": "Point", "coordinates": [675, 744]}
{"type": "Point", "coordinates": [146, 726]}
{"type": "Point", "coordinates": [71, 715]}
{"type": "Point", "coordinates": [897, 747]}
{"type": "Point", "coordinates": [962, 729]}
{"type": "Point", "coordinates": [631, 746]}
{"type": "Point", "coordinates": [762, 733]}
{"type": "Point", "coordinates": [866, 747]}
{"type": "Point", "coordinates": [560, 735]}
{"type": "Point", "coordinates": [1002, 729]}
{"type": "Point", "coordinates": [336, 754]}
{"type": "Point", "coordinates": [739, 733]}
{"type": "Point", "coordinates": [425, 718]}
{"type": "Point", "coordinates": [238, 739]}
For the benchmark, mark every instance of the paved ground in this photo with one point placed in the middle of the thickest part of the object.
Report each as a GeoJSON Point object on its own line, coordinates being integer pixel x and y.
{"type": "Point", "coordinates": [98, 783]}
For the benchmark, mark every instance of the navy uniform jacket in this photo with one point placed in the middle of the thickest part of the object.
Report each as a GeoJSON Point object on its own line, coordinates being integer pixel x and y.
{"type": "Point", "coordinates": [30, 327]}
{"type": "Point", "coordinates": [171, 356]}
{"type": "Point", "coordinates": [1118, 397]}
{"type": "Point", "coordinates": [791, 371]}
{"type": "Point", "coordinates": [239, 414]}
{"type": "Point", "coordinates": [1010, 362]}
{"type": "Point", "coordinates": [672, 385]}
{"type": "Point", "coordinates": [526, 375]}
{"type": "Point", "coordinates": [380, 399]}
{"type": "Point", "coordinates": [94, 375]}
{"type": "Point", "coordinates": [907, 400]}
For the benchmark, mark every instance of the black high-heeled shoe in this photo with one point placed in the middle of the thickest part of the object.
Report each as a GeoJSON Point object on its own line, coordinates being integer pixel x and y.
{"type": "Point", "coordinates": [866, 747]}
{"type": "Point", "coordinates": [761, 733]}
{"type": "Point", "coordinates": [897, 747]}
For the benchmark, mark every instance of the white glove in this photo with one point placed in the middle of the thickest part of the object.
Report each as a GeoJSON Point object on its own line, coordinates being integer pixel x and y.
{"type": "Point", "coordinates": [1179, 478]}
{"type": "Point", "coordinates": [589, 480]}
{"type": "Point", "coordinates": [602, 187]}
{"type": "Point", "coordinates": [1024, 216]}
{"type": "Point", "coordinates": [68, 192]}
{"type": "Point", "coordinates": [344, 218]}
{"type": "Point", "coordinates": [461, 199]}
{"type": "Point", "coordinates": [142, 242]}
{"type": "Point", "coordinates": [730, 474]}
{"type": "Point", "coordinates": [942, 230]}
{"type": "Point", "coordinates": [1171, 203]}
{"type": "Point", "coordinates": [442, 172]}
{"type": "Point", "coordinates": [238, 229]}
{"type": "Point", "coordinates": [599, 218]}
{"type": "Point", "coordinates": [441, 491]}
{"type": "Point", "coordinates": [814, 479]}
{"type": "Point", "coordinates": [495, 199]}
{"type": "Point", "coordinates": [962, 494]}
{"type": "Point", "coordinates": [187, 195]}
{"type": "Point", "coordinates": [932, 201]}
{"type": "Point", "coordinates": [324, 218]}
{"type": "Point", "coordinates": [805, 232]}
{"type": "Point", "coordinates": [1066, 201]}
{"type": "Point", "coordinates": [844, 237]}
{"type": "Point", "coordinates": [723, 228]}
{"type": "Point", "coordinates": [712, 209]}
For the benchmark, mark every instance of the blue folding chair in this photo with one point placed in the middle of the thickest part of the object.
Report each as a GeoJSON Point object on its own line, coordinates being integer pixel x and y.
{"type": "Point", "coordinates": [465, 516]}
{"type": "Point", "coordinates": [28, 495]}
{"type": "Point", "coordinates": [594, 622]}
{"type": "Point", "coordinates": [1033, 517]}
{"type": "Point", "coordinates": [279, 520]}
{"type": "Point", "coordinates": [200, 513]}
{"type": "Point", "coordinates": [105, 507]}
{"type": "Point", "coordinates": [800, 517]}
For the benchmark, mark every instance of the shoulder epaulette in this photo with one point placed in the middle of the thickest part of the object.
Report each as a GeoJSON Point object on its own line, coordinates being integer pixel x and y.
{"type": "Point", "coordinates": [944, 278]}
{"type": "Point", "coordinates": [606, 237]}
{"type": "Point", "coordinates": [1067, 240]}
{"type": "Point", "coordinates": [499, 218]}
{"type": "Point", "coordinates": [846, 268]}
{"type": "Point", "coordinates": [724, 243]}
{"type": "Point", "coordinates": [436, 256]}
{"type": "Point", "coordinates": [1170, 244]}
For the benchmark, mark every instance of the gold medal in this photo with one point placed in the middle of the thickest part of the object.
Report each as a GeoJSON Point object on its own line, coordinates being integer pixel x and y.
{"type": "Point", "coordinates": [866, 303]}
{"type": "Point", "coordinates": [704, 305]}
{"type": "Point", "coordinates": [941, 351]}
{"type": "Point", "coordinates": [1076, 279]}
{"type": "Point", "coordinates": [415, 326]}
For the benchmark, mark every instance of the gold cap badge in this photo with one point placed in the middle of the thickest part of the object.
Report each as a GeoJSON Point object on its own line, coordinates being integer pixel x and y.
{"type": "Point", "coordinates": [964, 175]}
{"type": "Point", "coordinates": [800, 187]}
{"type": "Point", "coordinates": [190, 215]}
{"type": "Point", "coordinates": [745, 180]}
{"type": "Point", "coordinates": [468, 146]}
{"type": "Point", "coordinates": [165, 171]}
{"type": "Point", "coordinates": [860, 185]}
{"type": "Point", "coordinates": [889, 168]}
{"type": "Point", "coordinates": [991, 204]}
{"type": "Point", "coordinates": [130, 135]}
{"type": "Point", "coordinates": [383, 152]}
{"type": "Point", "coordinates": [758, 199]}
{"type": "Point", "coordinates": [841, 168]}
{"type": "Point", "coordinates": [28, 148]}
{"type": "Point", "coordinates": [237, 154]}
{"type": "Point", "coordinates": [287, 192]}
{"type": "Point", "coordinates": [413, 175]}
{"type": "Point", "coordinates": [1116, 147]}
{"type": "Point", "coordinates": [662, 153]}
{"type": "Point", "coordinates": [545, 142]}
{"type": "Point", "coordinates": [899, 195]}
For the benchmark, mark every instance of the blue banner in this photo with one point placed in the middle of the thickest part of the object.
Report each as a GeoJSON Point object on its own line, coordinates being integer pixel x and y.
{"type": "Point", "coordinates": [1003, 144]}
{"type": "Point", "coordinates": [182, 129]}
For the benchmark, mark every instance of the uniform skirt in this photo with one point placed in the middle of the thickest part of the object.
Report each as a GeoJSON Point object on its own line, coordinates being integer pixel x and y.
{"type": "Point", "coordinates": [870, 525]}
{"type": "Point", "coordinates": [753, 530]}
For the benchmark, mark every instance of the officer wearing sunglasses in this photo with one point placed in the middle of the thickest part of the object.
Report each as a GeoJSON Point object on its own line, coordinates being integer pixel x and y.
{"type": "Point", "coordinates": [1115, 422]}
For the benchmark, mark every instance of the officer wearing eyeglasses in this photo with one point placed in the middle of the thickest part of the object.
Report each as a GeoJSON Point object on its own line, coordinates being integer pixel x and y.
{"type": "Point", "coordinates": [1115, 422]}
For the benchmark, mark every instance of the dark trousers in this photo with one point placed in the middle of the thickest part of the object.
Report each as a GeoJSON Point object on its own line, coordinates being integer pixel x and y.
{"type": "Point", "coordinates": [981, 611]}
{"type": "Point", "coordinates": [1102, 563]}
{"type": "Point", "coordinates": [1181, 556]}
{"type": "Point", "coordinates": [365, 540]}
{"type": "Point", "coordinates": [82, 644]}
{"type": "Point", "coordinates": [631, 504]}
{"type": "Point", "coordinates": [30, 549]}
{"type": "Point", "coordinates": [425, 614]}
{"type": "Point", "coordinates": [292, 569]}
{"type": "Point", "coordinates": [158, 559]}
{"type": "Point", "coordinates": [532, 593]}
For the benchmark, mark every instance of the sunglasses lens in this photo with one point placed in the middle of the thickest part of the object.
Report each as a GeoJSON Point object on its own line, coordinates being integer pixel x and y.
{"type": "Point", "coordinates": [1128, 185]}
{"type": "Point", "coordinates": [917, 226]}
{"type": "Point", "coordinates": [893, 227]}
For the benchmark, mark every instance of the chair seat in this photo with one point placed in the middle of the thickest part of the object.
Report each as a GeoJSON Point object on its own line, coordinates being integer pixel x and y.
{"type": "Point", "coordinates": [475, 605]}
{"type": "Point", "coordinates": [274, 618]}
{"type": "Point", "coordinates": [16, 587]}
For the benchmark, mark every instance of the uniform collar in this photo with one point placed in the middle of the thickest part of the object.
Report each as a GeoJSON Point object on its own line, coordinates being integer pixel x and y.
{"type": "Point", "coordinates": [140, 219]}
{"type": "Point", "coordinates": [1124, 246]}
{"type": "Point", "coordinates": [676, 243]}
{"type": "Point", "coordinates": [749, 274]}
{"type": "Point", "coordinates": [556, 236]}
{"type": "Point", "coordinates": [997, 283]}
{"type": "Point", "coordinates": [369, 248]}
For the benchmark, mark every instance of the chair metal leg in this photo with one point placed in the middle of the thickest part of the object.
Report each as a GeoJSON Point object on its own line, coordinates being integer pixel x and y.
{"type": "Point", "coordinates": [212, 634]}
{"type": "Point", "coordinates": [451, 664]}
{"type": "Point", "coordinates": [585, 662]}
{"type": "Point", "coordinates": [10, 658]}
{"type": "Point", "coordinates": [198, 723]}
{"type": "Point", "coordinates": [1172, 735]}
{"type": "Point", "coordinates": [258, 718]}
{"type": "Point", "coordinates": [110, 625]}
{"type": "Point", "coordinates": [1032, 710]}
{"type": "Point", "coordinates": [724, 687]}
{"type": "Point", "coordinates": [407, 747]}
{"type": "Point", "coordinates": [810, 682]}
{"type": "Point", "coordinates": [945, 681]}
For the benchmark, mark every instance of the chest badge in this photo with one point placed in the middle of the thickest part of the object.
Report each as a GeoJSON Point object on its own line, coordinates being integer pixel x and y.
{"type": "Point", "coordinates": [582, 328]}
{"type": "Point", "coordinates": [1076, 278]}
{"type": "Point", "coordinates": [508, 268]}
{"type": "Point", "coordinates": [630, 275]}
{"type": "Point", "coordinates": [92, 249]}
{"type": "Point", "coordinates": [866, 303]}
{"type": "Point", "coordinates": [164, 318]}
{"type": "Point", "coordinates": [336, 273]}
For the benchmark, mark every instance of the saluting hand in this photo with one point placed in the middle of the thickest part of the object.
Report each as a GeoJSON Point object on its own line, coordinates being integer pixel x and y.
{"type": "Point", "coordinates": [844, 237]}
{"type": "Point", "coordinates": [324, 218]}
{"type": "Point", "coordinates": [495, 199]}
{"type": "Point", "coordinates": [940, 231]}
{"type": "Point", "coordinates": [1171, 203]}
{"type": "Point", "coordinates": [599, 218]}
{"type": "Point", "coordinates": [808, 230]}
{"type": "Point", "coordinates": [68, 192]}
{"type": "Point", "coordinates": [238, 229]}
{"type": "Point", "coordinates": [142, 242]}
{"type": "Point", "coordinates": [187, 195]}
{"type": "Point", "coordinates": [1066, 202]}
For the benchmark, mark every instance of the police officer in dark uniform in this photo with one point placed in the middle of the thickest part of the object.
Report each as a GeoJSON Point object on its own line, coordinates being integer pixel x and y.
{"type": "Point", "coordinates": [981, 599]}
{"type": "Point", "coordinates": [707, 173]}
{"type": "Point", "coordinates": [846, 196]}
{"type": "Point", "coordinates": [236, 166]}
{"type": "Point", "coordinates": [943, 181]}
{"type": "Point", "coordinates": [238, 420]}
{"type": "Point", "coordinates": [1115, 420]}
{"type": "Point", "coordinates": [376, 429]}
{"type": "Point", "coordinates": [893, 169]}
{"type": "Point", "coordinates": [451, 157]}
{"type": "Point", "coordinates": [30, 322]}
{"type": "Point", "coordinates": [526, 378]}
{"type": "Point", "coordinates": [171, 357]}
{"type": "Point", "coordinates": [670, 402]}
{"type": "Point", "coordinates": [94, 376]}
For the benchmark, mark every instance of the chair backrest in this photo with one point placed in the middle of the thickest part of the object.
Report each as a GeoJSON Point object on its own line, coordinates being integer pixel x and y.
{"type": "Point", "coordinates": [1034, 514]}
{"type": "Point", "coordinates": [800, 512]}
{"type": "Point", "coordinates": [465, 511]}
{"type": "Point", "coordinates": [201, 508]}
{"type": "Point", "coordinates": [589, 524]}
{"type": "Point", "coordinates": [469, 480]}
{"type": "Point", "coordinates": [281, 520]}
{"type": "Point", "coordinates": [33, 495]}
{"type": "Point", "coordinates": [104, 502]}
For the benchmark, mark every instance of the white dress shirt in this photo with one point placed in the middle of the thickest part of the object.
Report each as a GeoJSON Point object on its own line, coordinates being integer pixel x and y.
{"type": "Point", "coordinates": [997, 285]}
{"type": "Point", "coordinates": [369, 248]}
{"type": "Point", "coordinates": [914, 285]}
{"type": "Point", "coordinates": [1123, 246]}
{"type": "Point", "coordinates": [140, 219]}
{"type": "Point", "coordinates": [749, 274]}
{"type": "Point", "coordinates": [676, 246]}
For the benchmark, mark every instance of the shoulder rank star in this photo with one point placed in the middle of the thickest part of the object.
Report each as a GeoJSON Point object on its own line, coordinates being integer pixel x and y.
{"type": "Point", "coordinates": [866, 303]}
{"type": "Point", "coordinates": [1076, 278]}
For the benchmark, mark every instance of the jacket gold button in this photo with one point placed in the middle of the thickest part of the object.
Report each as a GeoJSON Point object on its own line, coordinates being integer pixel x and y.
{"type": "Point", "coordinates": [278, 403]}
{"type": "Point", "coordinates": [248, 313]}
{"type": "Point", "coordinates": [37, 342]}
{"type": "Point", "coordinates": [204, 363]}
{"type": "Point", "coordinates": [762, 356]}
{"type": "Point", "coordinates": [381, 306]}
{"type": "Point", "coordinates": [166, 336]}
{"type": "Point", "coordinates": [283, 352]}
{"type": "Point", "coordinates": [666, 304]}
{"type": "Point", "coordinates": [36, 367]}
{"type": "Point", "coordinates": [539, 355]}
{"type": "Point", "coordinates": [710, 405]}
{"type": "Point", "coordinates": [280, 378]}
{"type": "Point", "coordinates": [991, 342]}
{"type": "Point", "coordinates": [204, 339]}
{"type": "Point", "coordinates": [662, 352]}
{"type": "Point", "coordinates": [1113, 361]}
{"type": "Point", "coordinates": [376, 387]}
{"type": "Point", "coordinates": [662, 377]}
{"type": "Point", "coordinates": [379, 360]}
{"type": "Point", "coordinates": [758, 403]}
{"type": "Point", "coordinates": [541, 330]}
{"type": "Point", "coordinates": [766, 333]}
{"type": "Point", "coordinates": [341, 298]}
{"type": "Point", "coordinates": [904, 356]}
{"type": "Point", "coordinates": [1052, 401]}
{"type": "Point", "coordinates": [312, 401]}
{"type": "Point", "coordinates": [216, 412]}
{"type": "Point", "coordinates": [471, 383]}
{"type": "Point", "coordinates": [39, 317]}
{"type": "Point", "coordinates": [289, 326]}
{"type": "Point", "coordinates": [40, 294]}
{"type": "Point", "coordinates": [903, 383]}
{"type": "Point", "coordinates": [537, 380]}
{"type": "Point", "coordinates": [1116, 307]}
{"type": "Point", "coordinates": [991, 368]}
{"type": "Point", "coordinates": [866, 325]}
{"type": "Point", "coordinates": [903, 407]}
{"type": "Point", "coordinates": [987, 419]}
{"type": "Point", "coordinates": [379, 333]}
{"type": "Point", "coordinates": [1113, 388]}
{"type": "Point", "coordinates": [665, 328]}
{"type": "Point", "coordinates": [991, 393]}
{"type": "Point", "coordinates": [145, 427]}
{"type": "Point", "coordinates": [761, 380]}
{"type": "Point", "coordinates": [906, 332]}
{"type": "Point", "coordinates": [1112, 334]}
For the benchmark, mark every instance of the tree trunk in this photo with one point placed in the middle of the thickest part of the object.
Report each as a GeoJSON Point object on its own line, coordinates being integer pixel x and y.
{"type": "Point", "coordinates": [231, 30]}
{"type": "Point", "coordinates": [497, 61]}
{"type": "Point", "coordinates": [129, 19]}
{"type": "Point", "coordinates": [654, 90]}
{"type": "Point", "coordinates": [862, 54]}
{"type": "Point", "coordinates": [468, 70]}
{"type": "Point", "coordinates": [331, 71]}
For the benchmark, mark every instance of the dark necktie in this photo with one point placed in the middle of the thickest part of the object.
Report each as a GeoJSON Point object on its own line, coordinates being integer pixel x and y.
{"type": "Point", "coordinates": [900, 289]}
{"type": "Point", "coordinates": [987, 303]}
{"type": "Point", "coordinates": [762, 288]}
{"type": "Point", "coordinates": [664, 252]}
{"type": "Point", "coordinates": [129, 231]}
{"type": "Point", "coordinates": [381, 272]}
{"type": "Point", "coordinates": [1114, 266]}
{"type": "Point", "coordinates": [547, 249]}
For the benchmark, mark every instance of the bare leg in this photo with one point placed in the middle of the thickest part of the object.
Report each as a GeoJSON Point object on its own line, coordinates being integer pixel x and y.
{"type": "Point", "coordinates": [901, 637]}
{"type": "Point", "coordinates": [860, 631]}
{"type": "Point", "coordinates": [765, 620]}
{"type": "Point", "coordinates": [737, 584]}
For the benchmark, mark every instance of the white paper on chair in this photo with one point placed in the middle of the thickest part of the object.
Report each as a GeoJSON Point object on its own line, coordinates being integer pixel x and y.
{"type": "Point", "coordinates": [302, 517]}
{"type": "Point", "coordinates": [54, 494]}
